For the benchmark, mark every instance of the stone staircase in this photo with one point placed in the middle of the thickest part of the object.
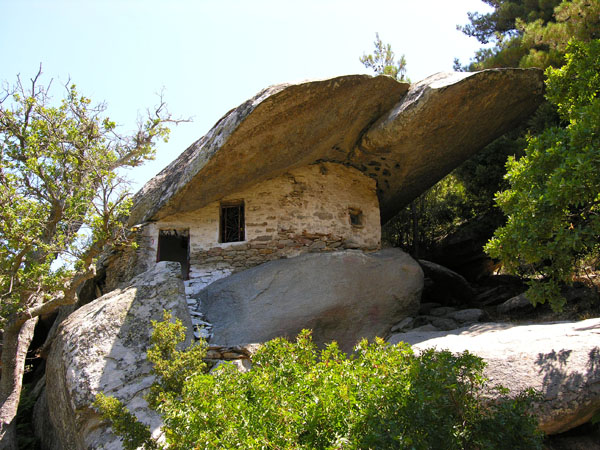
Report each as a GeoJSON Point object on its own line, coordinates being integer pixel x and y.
{"type": "Point", "coordinates": [202, 328]}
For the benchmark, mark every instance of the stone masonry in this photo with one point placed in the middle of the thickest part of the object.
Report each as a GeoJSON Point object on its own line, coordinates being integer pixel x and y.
{"type": "Point", "coordinates": [307, 210]}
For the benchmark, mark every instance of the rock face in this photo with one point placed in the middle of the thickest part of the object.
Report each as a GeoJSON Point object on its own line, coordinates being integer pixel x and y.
{"type": "Point", "coordinates": [561, 360]}
{"type": "Point", "coordinates": [405, 137]}
{"type": "Point", "coordinates": [446, 287]}
{"type": "Point", "coordinates": [101, 347]}
{"type": "Point", "coordinates": [282, 127]}
{"type": "Point", "coordinates": [441, 122]}
{"type": "Point", "coordinates": [342, 296]}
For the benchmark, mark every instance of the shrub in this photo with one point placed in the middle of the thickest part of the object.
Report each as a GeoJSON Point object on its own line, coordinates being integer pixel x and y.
{"type": "Point", "coordinates": [299, 397]}
{"type": "Point", "coordinates": [553, 202]}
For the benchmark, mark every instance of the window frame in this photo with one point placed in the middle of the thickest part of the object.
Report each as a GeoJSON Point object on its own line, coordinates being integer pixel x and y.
{"type": "Point", "coordinates": [232, 235]}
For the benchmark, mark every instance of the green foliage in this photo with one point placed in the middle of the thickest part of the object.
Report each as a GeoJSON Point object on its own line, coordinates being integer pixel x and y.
{"type": "Point", "coordinates": [501, 22]}
{"type": "Point", "coordinates": [171, 366]}
{"type": "Point", "coordinates": [434, 214]}
{"type": "Point", "coordinates": [382, 61]}
{"type": "Point", "coordinates": [297, 397]}
{"type": "Point", "coordinates": [530, 33]}
{"type": "Point", "coordinates": [547, 41]}
{"type": "Point", "coordinates": [125, 424]}
{"type": "Point", "coordinates": [62, 197]}
{"type": "Point", "coordinates": [554, 196]}
{"type": "Point", "coordinates": [503, 28]}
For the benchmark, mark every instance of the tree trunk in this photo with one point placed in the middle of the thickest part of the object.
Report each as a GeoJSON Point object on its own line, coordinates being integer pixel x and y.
{"type": "Point", "coordinates": [414, 214]}
{"type": "Point", "coordinates": [15, 344]}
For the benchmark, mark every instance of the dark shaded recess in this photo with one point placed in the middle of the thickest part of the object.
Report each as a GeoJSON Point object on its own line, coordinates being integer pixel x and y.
{"type": "Point", "coordinates": [174, 246]}
{"type": "Point", "coordinates": [462, 250]}
{"type": "Point", "coordinates": [584, 437]}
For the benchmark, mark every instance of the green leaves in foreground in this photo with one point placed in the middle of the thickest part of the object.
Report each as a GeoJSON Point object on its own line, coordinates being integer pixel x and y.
{"type": "Point", "coordinates": [299, 397]}
{"type": "Point", "coordinates": [125, 424]}
{"type": "Point", "coordinates": [553, 203]}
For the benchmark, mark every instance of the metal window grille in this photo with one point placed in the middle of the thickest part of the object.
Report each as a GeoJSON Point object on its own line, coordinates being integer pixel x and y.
{"type": "Point", "coordinates": [232, 222]}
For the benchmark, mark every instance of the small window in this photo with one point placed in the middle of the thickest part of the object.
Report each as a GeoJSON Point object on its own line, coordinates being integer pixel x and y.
{"type": "Point", "coordinates": [173, 245]}
{"type": "Point", "coordinates": [232, 222]}
{"type": "Point", "coordinates": [356, 217]}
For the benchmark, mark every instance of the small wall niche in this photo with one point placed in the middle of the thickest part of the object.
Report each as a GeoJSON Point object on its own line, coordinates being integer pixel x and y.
{"type": "Point", "coordinates": [356, 217]}
{"type": "Point", "coordinates": [174, 245]}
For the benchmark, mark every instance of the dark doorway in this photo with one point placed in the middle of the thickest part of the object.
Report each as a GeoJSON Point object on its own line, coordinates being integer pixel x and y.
{"type": "Point", "coordinates": [173, 245]}
{"type": "Point", "coordinates": [232, 222]}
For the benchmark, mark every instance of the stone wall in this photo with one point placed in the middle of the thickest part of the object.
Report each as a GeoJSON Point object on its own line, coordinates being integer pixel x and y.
{"type": "Point", "coordinates": [305, 210]}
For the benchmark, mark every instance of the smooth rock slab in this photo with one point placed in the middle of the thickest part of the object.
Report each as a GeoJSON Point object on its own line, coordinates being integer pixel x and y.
{"type": "Point", "coordinates": [561, 360]}
{"type": "Point", "coordinates": [101, 347]}
{"type": "Point", "coordinates": [341, 296]}
{"type": "Point", "coordinates": [406, 137]}
{"type": "Point", "coordinates": [440, 122]}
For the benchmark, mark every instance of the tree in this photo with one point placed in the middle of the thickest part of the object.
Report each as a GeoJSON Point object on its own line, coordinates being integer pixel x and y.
{"type": "Point", "coordinates": [553, 203]}
{"type": "Point", "coordinates": [501, 23]}
{"type": "Point", "coordinates": [547, 41]}
{"type": "Point", "coordinates": [530, 33]}
{"type": "Point", "coordinates": [500, 27]}
{"type": "Point", "coordinates": [298, 397]}
{"type": "Point", "coordinates": [62, 202]}
{"type": "Point", "coordinates": [382, 61]}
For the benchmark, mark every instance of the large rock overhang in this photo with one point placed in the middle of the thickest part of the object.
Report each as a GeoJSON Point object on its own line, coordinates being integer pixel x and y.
{"type": "Point", "coordinates": [406, 137]}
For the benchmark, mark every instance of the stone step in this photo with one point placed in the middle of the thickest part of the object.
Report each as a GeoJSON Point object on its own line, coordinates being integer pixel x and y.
{"type": "Point", "coordinates": [202, 334]}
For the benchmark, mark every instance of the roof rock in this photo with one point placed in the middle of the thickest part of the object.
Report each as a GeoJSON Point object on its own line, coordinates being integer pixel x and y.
{"type": "Point", "coordinates": [406, 137]}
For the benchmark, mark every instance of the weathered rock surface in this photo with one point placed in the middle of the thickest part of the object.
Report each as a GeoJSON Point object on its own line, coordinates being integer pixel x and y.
{"type": "Point", "coordinates": [447, 287]}
{"type": "Point", "coordinates": [517, 303]}
{"type": "Point", "coordinates": [101, 347]}
{"type": "Point", "coordinates": [561, 360]}
{"type": "Point", "coordinates": [406, 139]}
{"type": "Point", "coordinates": [282, 127]}
{"type": "Point", "coordinates": [42, 425]}
{"type": "Point", "coordinates": [342, 296]}
{"type": "Point", "coordinates": [439, 123]}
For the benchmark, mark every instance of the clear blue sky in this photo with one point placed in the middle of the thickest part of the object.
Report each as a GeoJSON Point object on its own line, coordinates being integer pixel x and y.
{"type": "Point", "coordinates": [210, 56]}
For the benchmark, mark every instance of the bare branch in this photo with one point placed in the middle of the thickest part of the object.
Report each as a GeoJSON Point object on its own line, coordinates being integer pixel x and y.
{"type": "Point", "coordinates": [19, 259]}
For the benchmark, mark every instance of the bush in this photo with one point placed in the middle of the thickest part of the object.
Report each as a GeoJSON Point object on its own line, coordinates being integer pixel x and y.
{"type": "Point", "coordinates": [297, 397]}
{"type": "Point", "coordinates": [553, 202]}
